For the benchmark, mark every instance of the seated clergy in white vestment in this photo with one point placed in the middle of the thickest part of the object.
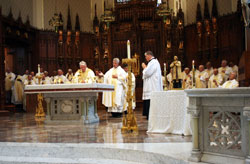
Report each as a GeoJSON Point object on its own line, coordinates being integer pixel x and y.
{"type": "Point", "coordinates": [235, 69]}
{"type": "Point", "coordinates": [215, 80]}
{"type": "Point", "coordinates": [84, 74]}
{"type": "Point", "coordinates": [17, 93]}
{"type": "Point", "coordinates": [114, 101]}
{"type": "Point", "coordinates": [186, 79]}
{"type": "Point", "coordinates": [232, 82]}
{"type": "Point", "coordinates": [60, 78]}
{"type": "Point", "coordinates": [125, 67]}
{"type": "Point", "coordinates": [225, 70]}
{"type": "Point", "coordinates": [201, 77]}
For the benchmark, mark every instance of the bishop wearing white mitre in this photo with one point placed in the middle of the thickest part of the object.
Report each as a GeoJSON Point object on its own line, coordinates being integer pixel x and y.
{"type": "Point", "coordinates": [225, 70]}
{"type": "Point", "coordinates": [231, 83]}
{"type": "Point", "coordinates": [201, 77]}
{"type": "Point", "coordinates": [84, 74]}
{"type": "Point", "coordinates": [114, 101]}
{"type": "Point", "coordinates": [215, 80]}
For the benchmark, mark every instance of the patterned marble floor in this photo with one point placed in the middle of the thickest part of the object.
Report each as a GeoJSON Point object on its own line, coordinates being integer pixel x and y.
{"type": "Point", "coordinates": [23, 127]}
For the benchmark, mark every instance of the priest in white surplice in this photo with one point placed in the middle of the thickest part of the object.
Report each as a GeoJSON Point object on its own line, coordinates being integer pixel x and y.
{"type": "Point", "coordinates": [232, 82]}
{"type": "Point", "coordinates": [152, 80]}
{"type": "Point", "coordinates": [114, 101]}
{"type": "Point", "coordinates": [215, 80]}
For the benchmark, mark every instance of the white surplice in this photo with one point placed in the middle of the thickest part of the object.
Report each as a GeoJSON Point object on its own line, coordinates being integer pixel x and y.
{"type": "Point", "coordinates": [152, 80]}
{"type": "Point", "coordinates": [227, 71]}
{"type": "Point", "coordinates": [115, 100]}
{"type": "Point", "coordinates": [200, 79]}
{"type": "Point", "coordinates": [230, 84]}
{"type": "Point", "coordinates": [218, 78]}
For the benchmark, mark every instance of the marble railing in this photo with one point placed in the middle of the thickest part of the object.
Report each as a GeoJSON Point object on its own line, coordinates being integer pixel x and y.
{"type": "Point", "coordinates": [220, 124]}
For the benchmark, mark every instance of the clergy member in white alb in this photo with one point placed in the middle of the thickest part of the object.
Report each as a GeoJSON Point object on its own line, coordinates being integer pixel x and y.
{"type": "Point", "coordinates": [114, 101]}
{"type": "Point", "coordinates": [232, 82]}
{"type": "Point", "coordinates": [201, 77]}
{"type": "Point", "coordinates": [209, 69]}
{"type": "Point", "coordinates": [225, 70]}
{"type": "Point", "coordinates": [215, 80]}
{"type": "Point", "coordinates": [84, 74]}
{"type": "Point", "coordinates": [187, 79]}
{"type": "Point", "coordinates": [152, 80]}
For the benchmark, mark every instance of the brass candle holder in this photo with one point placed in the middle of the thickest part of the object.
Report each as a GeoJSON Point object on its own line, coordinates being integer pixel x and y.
{"type": "Point", "coordinates": [129, 124]}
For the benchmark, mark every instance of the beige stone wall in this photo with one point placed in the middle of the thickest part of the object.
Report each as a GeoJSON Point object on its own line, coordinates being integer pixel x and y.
{"type": "Point", "coordinates": [25, 7]}
{"type": "Point", "coordinates": [41, 11]}
{"type": "Point", "coordinates": [82, 7]}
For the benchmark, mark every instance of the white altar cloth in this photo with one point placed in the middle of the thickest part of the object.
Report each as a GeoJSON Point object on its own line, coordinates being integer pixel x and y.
{"type": "Point", "coordinates": [168, 113]}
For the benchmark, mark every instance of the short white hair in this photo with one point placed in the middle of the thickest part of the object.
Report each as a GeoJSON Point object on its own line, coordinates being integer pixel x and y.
{"type": "Point", "coordinates": [83, 63]}
{"type": "Point", "coordinates": [117, 60]}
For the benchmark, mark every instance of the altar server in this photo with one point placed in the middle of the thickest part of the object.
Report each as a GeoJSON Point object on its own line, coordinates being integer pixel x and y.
{"type": "Point", "coordinates": [9, 82]}
{"type": "Point", "coordinates": [215, 80]}
{"type": "Point", "coordinates": [125, 67]}
{"type": "Point", "coordinates": [152, 80]}
{"type": "Point", "coordinates": [84, 74]}
{"type": "Point", "coordinates": [225, 70]}
{"type": "Point", "coordinates": [232, 82]}
{"type": "Point", "coordinates": [201, 77]}
{"type": "Point", "coordinates": [114, 101]}
{"type": "Point", "coordinates": [187, 79]}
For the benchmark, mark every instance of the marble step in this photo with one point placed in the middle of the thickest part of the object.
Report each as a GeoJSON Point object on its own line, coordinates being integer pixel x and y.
{"type": "Point", "coordinates": [36, 160]}
{"type": "Point", "coordinates": [59, 153]}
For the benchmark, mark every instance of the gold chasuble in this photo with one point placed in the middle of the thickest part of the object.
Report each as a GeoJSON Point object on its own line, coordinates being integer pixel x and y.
{"type": "Point", "coordinates": [84, 77]}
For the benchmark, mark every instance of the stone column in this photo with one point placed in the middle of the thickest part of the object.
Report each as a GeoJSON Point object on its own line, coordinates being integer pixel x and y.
{"type": "Point", "coordinates": [194, 111]}
{"type": "Point", "coordinates": [246, 113]}
{"type": "Point", "coordinates": [82, 106]}
{"type": "Point", "coordinates": [48, 114]}
{"type": "Point", "coordinates": [95, 106]}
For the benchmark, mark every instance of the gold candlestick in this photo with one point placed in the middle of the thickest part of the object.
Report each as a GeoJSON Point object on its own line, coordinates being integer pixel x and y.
{"type": "Point", "coordinates": [193, 78]}
{"type": "Point", "coordinates": [39, 109]}
{"type": "Point", "coordinates": [129, 121]}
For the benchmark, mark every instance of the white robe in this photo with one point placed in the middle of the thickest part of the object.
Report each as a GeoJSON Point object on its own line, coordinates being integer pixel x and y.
{"type": "Point", "coordinates": [230, 84]}
{"type": "Point", "coordinates": [218, 78]}
{"type": "Point", "coordinates": [225, 75]}
{"type": "Point", "coordinates": [9, 81]}
{"type": "Point", "coordinates": [186, 81]}
{"type": "Point", "coordinates": [210, 71]}
{"type": "Point", "coordinates": [60, 79]}
{"type": "Point", "coordinates": [170, 81]}
{"type": "Point", "coordinates": [152, 80]}
{"type": "Point", "coordinates": [201, 82]}
{"type": "Point", "coordinates": [115, 100]}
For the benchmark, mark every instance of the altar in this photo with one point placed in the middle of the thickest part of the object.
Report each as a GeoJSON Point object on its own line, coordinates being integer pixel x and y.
{"type": "Point", "coordinates": [71, 101]}
{"type": "Point", "coordinates": [168, 113]}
